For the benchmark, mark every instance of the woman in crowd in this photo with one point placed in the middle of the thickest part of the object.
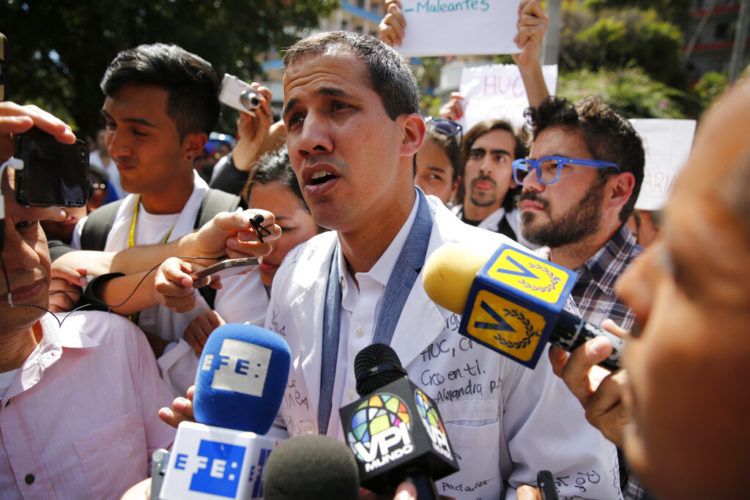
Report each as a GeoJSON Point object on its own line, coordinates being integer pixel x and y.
{"type": "Point", "coordinates": [437, 165]}
{"type": "Point", "coordinates": [271, 186]}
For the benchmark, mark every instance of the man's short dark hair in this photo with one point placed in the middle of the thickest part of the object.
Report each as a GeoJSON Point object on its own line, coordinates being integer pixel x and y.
{"type": "Point", "coordinates": [390, 76]}
{"type": "Point", "coordinates": [191, 82]}
{"type": "Point", "coordinates": [608, 136]}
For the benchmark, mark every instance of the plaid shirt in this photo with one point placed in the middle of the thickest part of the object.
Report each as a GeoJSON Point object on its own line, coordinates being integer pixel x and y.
{"type": "Point", "coordinates": [595, 297]}
{"type": "Point", "coordinates": [594, 292]}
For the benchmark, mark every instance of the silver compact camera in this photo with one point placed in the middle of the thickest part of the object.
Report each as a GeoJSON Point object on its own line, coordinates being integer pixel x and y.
{"type": "Point", "coordinates": [238, 94]}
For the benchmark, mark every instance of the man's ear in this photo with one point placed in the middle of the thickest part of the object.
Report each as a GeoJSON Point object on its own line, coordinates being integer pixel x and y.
{"type": "Point", "coordinates": [414, 134]}
{"type": "Point", "coordinates": [619, 189]}
{"type": "Point", "coordinates": [192, 145]}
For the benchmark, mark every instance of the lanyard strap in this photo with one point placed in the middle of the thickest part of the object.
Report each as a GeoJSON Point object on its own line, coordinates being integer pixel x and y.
{"type": "Point", "coordinates": [131, 242]}
{"type": "Point", "coordinates": [134, 221]}
{"type": "Point", "coordinates": [408, 266]}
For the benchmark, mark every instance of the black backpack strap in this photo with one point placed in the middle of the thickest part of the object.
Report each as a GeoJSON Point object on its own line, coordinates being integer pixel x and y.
{"type": "Point", "coordinates": [214, 201]}
{"type": "Point", "coordinates": [97, 226]}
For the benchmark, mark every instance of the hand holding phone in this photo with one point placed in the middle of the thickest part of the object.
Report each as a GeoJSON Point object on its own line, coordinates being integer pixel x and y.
{"type": "Point", "coordinates": [238, 94]}
{"type": "Point", "coordinates": [223, 269]}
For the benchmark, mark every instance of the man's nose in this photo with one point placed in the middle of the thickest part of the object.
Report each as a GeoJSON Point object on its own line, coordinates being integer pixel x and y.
{"type": "Point", "coordinates": [117, 145]}
{"type": "Point", "coordinates": [486, 167]}
{"type": "Point", "coordinates": [315, 137]}
{"type": "Point", "coordinates": [531, 181]}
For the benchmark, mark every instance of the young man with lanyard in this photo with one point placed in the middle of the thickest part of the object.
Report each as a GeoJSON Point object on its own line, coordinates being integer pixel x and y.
{"type": "Point", "coordinates": [161, 103]}
{"type": "Point", "coordinates": [351, 112]}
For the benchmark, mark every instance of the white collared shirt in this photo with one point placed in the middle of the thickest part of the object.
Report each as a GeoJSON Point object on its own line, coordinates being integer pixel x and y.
{"type": "Point", "coordinates": [359, 310]}
{"type": "Point", "coordinates": [80, 419]}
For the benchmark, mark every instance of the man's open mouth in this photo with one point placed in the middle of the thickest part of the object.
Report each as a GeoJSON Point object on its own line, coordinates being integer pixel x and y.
{"type": "Point", "coordinates": [321, 177]}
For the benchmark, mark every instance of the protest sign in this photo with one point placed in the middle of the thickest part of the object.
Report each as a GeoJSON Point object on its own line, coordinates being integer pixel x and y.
{"type": "Point", "coordinates": [667, 145]}
{"type": "Point", "coordinates": [459, 27]}
{"type": "Point", "coordinates": [497, 92]}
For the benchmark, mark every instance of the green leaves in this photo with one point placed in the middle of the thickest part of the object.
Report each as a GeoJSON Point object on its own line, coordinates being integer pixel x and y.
{"type": "Point", "coordinates": [58, 51]}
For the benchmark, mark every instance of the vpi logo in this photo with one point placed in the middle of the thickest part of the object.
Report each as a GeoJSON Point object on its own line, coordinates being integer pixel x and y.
{"type": "Point", "coordinates": [433, 424]}
{"type": "Point", "coordinates": [239, 367]}
{"type": "Point", "coordinates": [380, 431]}
{"type": "Point", "coordinates": [217, 468]}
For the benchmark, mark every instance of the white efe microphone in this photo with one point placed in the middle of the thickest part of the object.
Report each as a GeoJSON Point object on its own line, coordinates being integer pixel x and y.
{"type": "Point", "coordinates": [239, 386]}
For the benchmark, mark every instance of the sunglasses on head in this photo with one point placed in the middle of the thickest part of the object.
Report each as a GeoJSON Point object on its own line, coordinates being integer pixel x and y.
{"type": "Point", "coordinates": [445, 127]}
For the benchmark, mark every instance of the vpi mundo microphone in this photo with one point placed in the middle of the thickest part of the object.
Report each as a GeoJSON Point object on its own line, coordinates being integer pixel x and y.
{"type": "Point", "coordinates": [241, 378]}
{"type": "Point", "coordinates": [395, 430]}
{"type": "Point", "coordinates": [511, 303]}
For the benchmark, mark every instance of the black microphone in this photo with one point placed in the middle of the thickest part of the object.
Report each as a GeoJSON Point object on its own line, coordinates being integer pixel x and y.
{"type": "Point", "coordinates": [395, 430]}
{"type": "Point", "coordinates": [311, 468]}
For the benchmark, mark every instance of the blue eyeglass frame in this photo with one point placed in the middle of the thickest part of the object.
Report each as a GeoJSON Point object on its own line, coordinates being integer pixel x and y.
{"type": "Point", "coordinates": [526, 165]}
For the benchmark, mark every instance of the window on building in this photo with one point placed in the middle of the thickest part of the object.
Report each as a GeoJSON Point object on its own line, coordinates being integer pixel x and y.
{"type": "Point", "coordinates": [722, 31]}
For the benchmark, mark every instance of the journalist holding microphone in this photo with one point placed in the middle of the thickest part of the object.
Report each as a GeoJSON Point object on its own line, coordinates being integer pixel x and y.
{"type": "Point", "coordinates": [680, 406]}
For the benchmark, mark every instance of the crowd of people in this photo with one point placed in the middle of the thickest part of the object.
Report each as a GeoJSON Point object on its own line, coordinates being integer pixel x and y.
{"type": "Point", "coordinates": [356, 189]}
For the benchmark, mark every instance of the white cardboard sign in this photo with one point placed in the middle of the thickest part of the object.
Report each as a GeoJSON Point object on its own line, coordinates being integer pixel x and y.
{"type": "Point", "coordinates": [496, 92]}
{"type": "Point", "coordinates": [459, 27]}
{"type": "Point", "coordinates": [667, 145]}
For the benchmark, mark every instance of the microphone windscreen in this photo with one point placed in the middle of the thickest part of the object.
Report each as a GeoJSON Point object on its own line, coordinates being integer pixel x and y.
{"type": "Point", "coordinates": [311, 468]}
{"type": "Point", "coordinates": [375, 366]}
{"type": "Point", "coordinates": [241, 378]}
{"type": "Point", "coordinates": [449, 273]}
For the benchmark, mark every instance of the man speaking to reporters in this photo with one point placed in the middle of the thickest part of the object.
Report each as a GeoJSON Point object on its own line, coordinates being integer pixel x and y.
{"type": "Point", "coordinates": [351, 112]}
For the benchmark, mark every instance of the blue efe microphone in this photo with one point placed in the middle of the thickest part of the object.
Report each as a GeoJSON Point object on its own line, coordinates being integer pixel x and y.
{"type": "Point", "coordinates": [242, 367]}
{"type": "Point", "coordinates": [239, 386]}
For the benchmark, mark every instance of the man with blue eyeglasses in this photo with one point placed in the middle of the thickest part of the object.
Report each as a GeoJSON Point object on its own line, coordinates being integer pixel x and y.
{"type": "Point", "coordinates": [579, 186]}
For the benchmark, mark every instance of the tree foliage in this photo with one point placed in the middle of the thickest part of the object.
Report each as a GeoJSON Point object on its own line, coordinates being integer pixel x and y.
{"type": "Point", "coordinates": [674, 11]}
{"type": "Point", "coordinates": [617, 38]}
{"type": "Point", "coordinates": [630, 52]}
{"type": "Point", "coordinates": [630, 90]}
{"type": "Point", "coordinates": [58, 50]}
{"type": "Point", "coordinates": [710, 87]}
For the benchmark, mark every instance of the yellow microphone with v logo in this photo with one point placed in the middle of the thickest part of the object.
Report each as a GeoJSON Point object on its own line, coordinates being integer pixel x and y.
{"type": "Point", "coordinates": [511, 303]}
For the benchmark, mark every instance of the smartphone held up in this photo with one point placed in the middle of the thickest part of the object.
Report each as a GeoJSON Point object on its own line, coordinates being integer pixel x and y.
{"type": "Point", "coordinates": [52, 173]}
